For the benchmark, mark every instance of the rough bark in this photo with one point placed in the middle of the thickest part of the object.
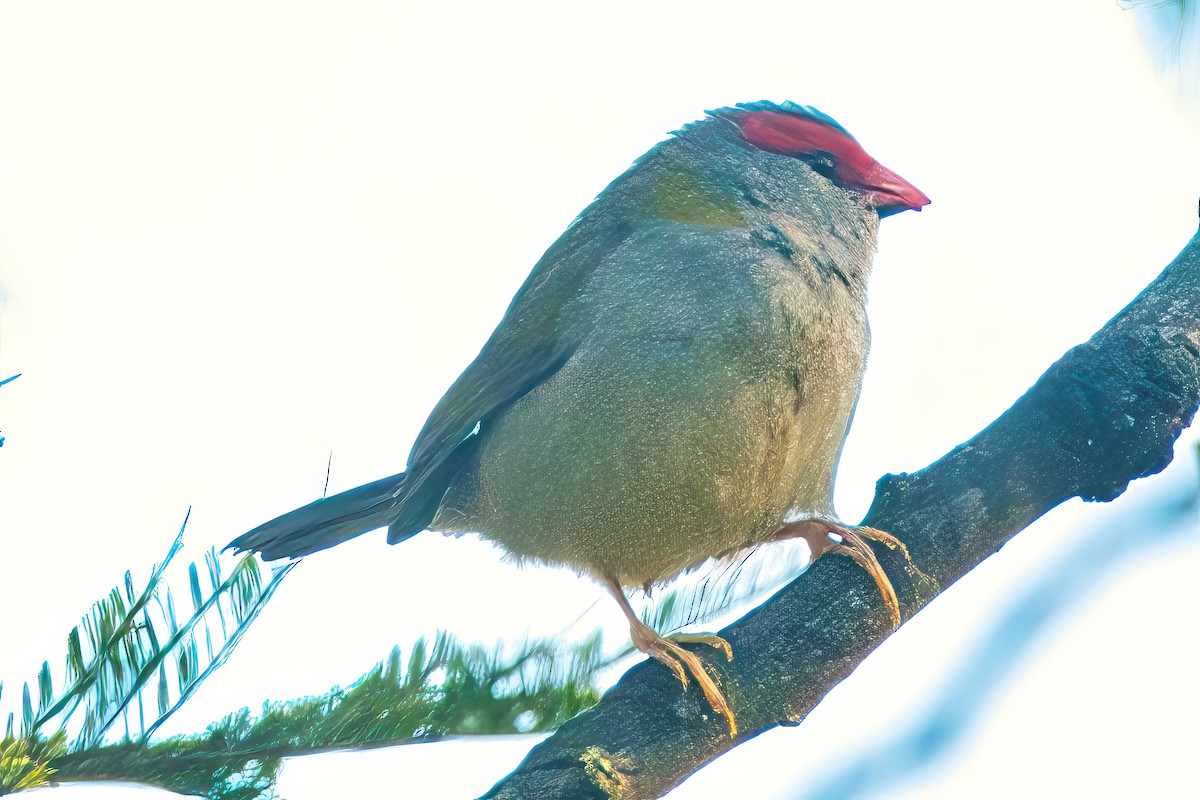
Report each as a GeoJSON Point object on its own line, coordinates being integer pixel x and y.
{"type": "Point", "coordinates": [1108, 412]}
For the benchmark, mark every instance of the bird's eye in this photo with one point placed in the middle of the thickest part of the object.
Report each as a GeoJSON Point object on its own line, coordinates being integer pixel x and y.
{"type": "Point", "coordinates": [822, 163]}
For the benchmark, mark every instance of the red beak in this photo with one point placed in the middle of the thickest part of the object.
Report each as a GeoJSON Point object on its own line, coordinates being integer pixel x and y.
{"type": "Point", "coordinates": [889, 192]}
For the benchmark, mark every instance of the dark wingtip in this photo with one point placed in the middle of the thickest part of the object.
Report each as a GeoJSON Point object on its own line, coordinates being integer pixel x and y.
{"type": "Point", "coordinates": [236, 547]}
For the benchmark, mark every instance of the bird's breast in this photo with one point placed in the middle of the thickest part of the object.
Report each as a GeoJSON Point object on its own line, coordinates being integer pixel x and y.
{"type": "Point", "coordinates": [709, 400]}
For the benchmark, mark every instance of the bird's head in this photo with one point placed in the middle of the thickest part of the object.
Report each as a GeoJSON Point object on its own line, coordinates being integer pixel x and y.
{"type": "Point", "coordinates": [804, 133]}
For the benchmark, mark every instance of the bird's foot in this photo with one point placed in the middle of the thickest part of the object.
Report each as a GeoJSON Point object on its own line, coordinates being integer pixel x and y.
{"type": "Point", "coordinates": [824, 536]}
{"type": "Point", "coordinates": [704, 638]}
{"type": "Point", "coordinates": [924, 587]}
{"type": "Point", "coordinates": [679, 660]}
{"type": "Point", "coordinates": [684, 662]}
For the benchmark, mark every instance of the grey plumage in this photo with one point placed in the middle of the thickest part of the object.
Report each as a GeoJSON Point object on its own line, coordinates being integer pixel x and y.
{"type": "Point", "coordinates": [712, 378]}
{"type": "Point", "coordinates": [674, 379]}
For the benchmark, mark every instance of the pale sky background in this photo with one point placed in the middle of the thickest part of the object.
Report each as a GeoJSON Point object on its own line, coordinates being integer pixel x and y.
{"type": "Point", "coordinates": [234, 238]}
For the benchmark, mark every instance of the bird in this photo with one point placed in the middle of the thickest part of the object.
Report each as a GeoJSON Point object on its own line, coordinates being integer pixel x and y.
{"type": "Point", "coordinates": [672, 383]}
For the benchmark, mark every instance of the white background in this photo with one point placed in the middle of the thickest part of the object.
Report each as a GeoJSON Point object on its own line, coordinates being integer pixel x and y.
{"type": "Point", "coordinates": [234, 238]}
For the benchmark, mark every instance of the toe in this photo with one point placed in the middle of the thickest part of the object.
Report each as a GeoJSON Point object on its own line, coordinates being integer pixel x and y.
{"type": "Point", "coordinates": [682, 662]}
{"type": "Point", "coordinates": [712, 692]}
{"type": "Point", "coordinates": [705, 638]}
{"type": "Point", "coordinates": [675, 666]}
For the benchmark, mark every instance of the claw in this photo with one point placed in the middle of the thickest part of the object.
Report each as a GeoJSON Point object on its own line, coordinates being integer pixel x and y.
{"type": "Point", "coordinates": [864, 556]}
{"type": "Point", "coordinates": [704, 638]}
{"type": "Point", "coordinates": [820, 535]}
{"type": "Point", "coordinates": [680, 661]}
{"type": "Point", "coordinates": [924, 586]}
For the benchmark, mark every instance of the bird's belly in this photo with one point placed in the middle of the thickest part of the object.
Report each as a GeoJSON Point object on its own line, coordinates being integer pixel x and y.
{"type": "Point", "coordinates": [643, 467]}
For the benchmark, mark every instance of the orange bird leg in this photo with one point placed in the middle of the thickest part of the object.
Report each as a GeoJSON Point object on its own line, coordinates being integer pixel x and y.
{"type": "Point", "coordinates": [680, 661]}
{"type": "Point", "coordinates": [824, 536]}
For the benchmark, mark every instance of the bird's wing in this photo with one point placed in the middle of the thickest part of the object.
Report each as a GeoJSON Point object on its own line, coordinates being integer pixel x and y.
{"type": "Point", "coordinates": [523, 352]}
{"type": "Point", "coordinates": [529, 345]}
{"type": "Point", "coordinates": [407, 502]}
{"type": "Point", "coordinates": [495, 380]}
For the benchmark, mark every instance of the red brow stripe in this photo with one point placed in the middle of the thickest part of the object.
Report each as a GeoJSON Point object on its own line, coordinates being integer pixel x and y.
{"type": "Point", "coordinates": [795, 135]}
{"type": "Point", "coordinates": [791, 134]}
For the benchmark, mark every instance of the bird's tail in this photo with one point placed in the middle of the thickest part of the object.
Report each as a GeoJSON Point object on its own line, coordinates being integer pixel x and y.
{"type": "Point", "coordinates": [326, 522]}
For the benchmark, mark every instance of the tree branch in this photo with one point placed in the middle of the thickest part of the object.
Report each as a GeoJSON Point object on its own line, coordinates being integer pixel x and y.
{"type": "Point", "coordinates": [1108, 412]}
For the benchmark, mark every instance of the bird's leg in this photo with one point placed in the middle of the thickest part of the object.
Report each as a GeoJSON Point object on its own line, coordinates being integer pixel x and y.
{"type": "Point", "coordinates": [823, 536]}
{"type": "Point", "coordinates": [680, 661]}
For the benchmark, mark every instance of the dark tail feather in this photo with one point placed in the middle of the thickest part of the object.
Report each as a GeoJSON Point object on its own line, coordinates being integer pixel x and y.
{"type": "Point", "coordinates": [324, 523]}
